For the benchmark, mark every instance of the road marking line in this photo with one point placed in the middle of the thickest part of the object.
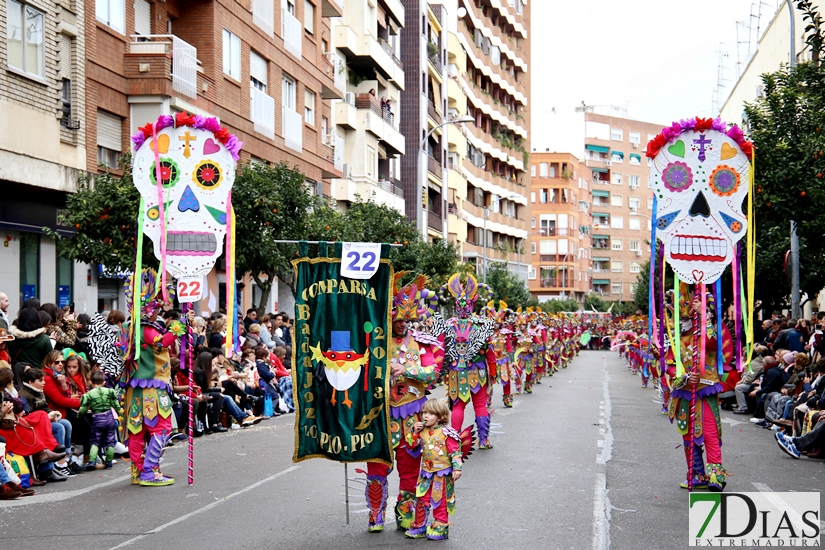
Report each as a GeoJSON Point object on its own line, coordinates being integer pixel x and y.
{"type": "Point", "coordinates": [601, 502]}
{"type": "Point", "coordinates": [64, 495]}
{"type": "Point", "coordinates": [780, 504]}
{"type": "Point", "coordinates": [205, 508]}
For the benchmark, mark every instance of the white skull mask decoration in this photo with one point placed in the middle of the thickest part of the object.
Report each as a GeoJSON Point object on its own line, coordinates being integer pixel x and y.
{"type": "Point", "coordinates": [701, 176]}
{"type": "Point", "coordinates": [197, 170]}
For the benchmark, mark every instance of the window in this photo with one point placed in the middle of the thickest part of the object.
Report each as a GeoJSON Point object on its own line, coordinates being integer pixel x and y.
{"type": "Point", "coordinates": [615, 244]}
{"type": "Point", "coordinates": [533, 196]}
{"type": "Point", "coordinates": [143, 17]}
{"type": "Point", "coordinates": [616, 266]}
{"type": "Point", "coordinates": [633, 181]}
{"type": "Point", "coordinates": [372, 162]}
{"type": "Point", "coordinates": [309, 17]}
{"type": "Point", "coordinates": [231, 55]}
{"type": "Point", "coordinates": [288, 92]}
{"type": "Point", "coordinates": [633, 203]}
{"type": "Point", "coordinates": [548, 247]}
{"type": "Point", "coordinates": [650, 203]}
{"type": "Point", "coordinates": [110, 12]}
{"type": "Point", "coordinates": [615, 178]}
{"type": "Point", "coordinates": [634, 246]}
{"type": "Point", "coordinates": [564, 246]}
{"type": "Point", "coordinates": [290, 6]}
{"type": "Point", "coordinates": [532, 223]}
{"type": "Point", "coordinates": [261, 105]}
{"type": "Point", "coordinates": [635, 138]}
{"type": "Point", "coordinates": [615, 200]}
{"type": "Point", "coordinates": [532, 248]}
{"type": "Point", "coordinates": [258, 72]}
{"type": "Point", "coordinates": [616, 134]}
{"type": "Point", "coordinates": [263, 15]}
{"type": "Point", "coordinates": [543, 196]}
{"type": "Point", "coordinates": [531, 273]}
{"type": "Point", "coordinates": [109, 138]}
{"type": "Point", "coordinates": [617, 156]}
{"type": "Point", "coordinates": [616, 288]}
{"type": "Point", "coordinates": [24, 38]}
{"type": "Point", "coordinates": [634, 267]}
{"type": "Point", "coordinates": [543, 170]}
{"type": "Point", "coordinates": [66, 104]}
{"type": "Point", "coordinates": [634, 223]}
{"type": "Point", "coordinates": [309, 107]}
{"type": "Point", "coordinates": [617, 222]}
{"type": "Point", "coordinates": [533, 171]}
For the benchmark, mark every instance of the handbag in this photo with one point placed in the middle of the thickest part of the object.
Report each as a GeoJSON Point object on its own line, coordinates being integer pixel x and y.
{"type": "Point", "coordinates": [8, 422]}
{"type": "Point", "coordinates": [268, 408]}
{"type": "Point", "coordinates": [22, 423]}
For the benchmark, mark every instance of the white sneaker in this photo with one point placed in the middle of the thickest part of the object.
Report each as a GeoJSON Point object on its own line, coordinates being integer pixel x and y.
{"type": "Point", "coordinates": [755, 420]}
{"type": "Point", "coordinates": [235, 427]}
{"type": "Point", "coordinates": [120, 448]}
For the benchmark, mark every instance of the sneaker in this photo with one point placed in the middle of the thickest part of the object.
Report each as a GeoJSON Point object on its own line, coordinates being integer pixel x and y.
{"type": "Point", "coordinates": [75, 467]}
{"type": "Point", "coordinates": [64, 471]}
{"type": "Point", "coordinates": [763, 423]}
{"type": "Point", "coordinates": [755, 420]}
{"type": "Point", "coordinates": [741, 411]}
{"type": "Point", "coordinates": [121, 449]}
{"type": "Point", "coordinates": [786, 443]}
{"type": "Point", "coordinates": [250, 420]}
{"type": "Point", "coordinates": [90, 466]}
{"type": "Point", "coordinates": [776, 427]}
{"type": "Point", "coordinates": [235, 427]}
{"type": "Point", "coordinates": [52, 476]}
{"type": "Point", "coordinates": [108, 465]}
{"type": "Point", "coordinates": [179, 436]}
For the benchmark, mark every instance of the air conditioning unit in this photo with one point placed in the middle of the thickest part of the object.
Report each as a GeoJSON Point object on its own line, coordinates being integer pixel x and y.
{"type": "Point", "coordinates": [348, 171]}
{"type": "Point", "coordinates": [639, 252]}
{"type": "Point", "coordinates": [634, 208]}
{"type": "Point", "coordinates": [635, 145]}
{"type": "Point", "coordinates": [608, 163]}
{"type": "Point", "coordinates": [349, 97]}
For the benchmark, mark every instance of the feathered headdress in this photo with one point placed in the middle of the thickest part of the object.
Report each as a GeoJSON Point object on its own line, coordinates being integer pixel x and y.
{"type": "Point", "coordinates": [412, 301]}
{"type": "Point", "coordinates": [150, 295]}
{"type": "Point", "coordinates": [465, 294]}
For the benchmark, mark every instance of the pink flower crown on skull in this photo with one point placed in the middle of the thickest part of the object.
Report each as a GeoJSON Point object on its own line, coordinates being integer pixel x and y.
{"type": "Point", "coordinates": [230, 141]}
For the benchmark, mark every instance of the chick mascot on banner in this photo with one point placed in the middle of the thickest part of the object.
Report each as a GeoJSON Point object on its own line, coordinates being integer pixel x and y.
{"type": "Point", "coordinates": [184, 167]}
{"type": "Point", "coordinates": [701, 173]}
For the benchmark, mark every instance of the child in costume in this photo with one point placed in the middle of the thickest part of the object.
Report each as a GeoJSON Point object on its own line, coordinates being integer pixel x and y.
{"type": "Point", "coordinates": [103, 403]}
{"type": "Point", "coordinates": [441, 461]}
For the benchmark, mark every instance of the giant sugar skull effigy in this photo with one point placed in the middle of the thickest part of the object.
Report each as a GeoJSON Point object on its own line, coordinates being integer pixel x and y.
{"type": "Point", "coordinates": [700, 175]}
{"type": "Point", "coordinates": [197, 160]}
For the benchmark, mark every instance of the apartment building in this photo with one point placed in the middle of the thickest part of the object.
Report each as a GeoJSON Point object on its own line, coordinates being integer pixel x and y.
{"type": "Point", "coordinates": [366, 122]}
{"type": "Point", "coordinates": [456, 139]}
{"type": "Point", "coordinates": [560, 226]}
{"type": "Point", "coordinates": [494, 78]}
{"type": "Point", "coordinates": [262, 67]}
{"type": "Point", "coordinates": [423, 52]}
{"type": "Point", "coordinates": [42, 146]}
{"type": "Point", "coordinates": [622, 206]}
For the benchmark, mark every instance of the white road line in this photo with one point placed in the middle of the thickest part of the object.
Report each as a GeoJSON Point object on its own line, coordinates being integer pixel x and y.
{"type": "Point", "coordinates": [780, 504]}
{"type": "Point", "coordinates": [65, 495]}
{"type": "Point", "coordinates": [601, 502]}
{"type": "Point", "coordinates": [205, 508]}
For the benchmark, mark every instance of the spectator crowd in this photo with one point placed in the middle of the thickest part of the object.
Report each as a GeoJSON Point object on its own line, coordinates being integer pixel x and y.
{"type": "Point", "coordinates": [50, 358]}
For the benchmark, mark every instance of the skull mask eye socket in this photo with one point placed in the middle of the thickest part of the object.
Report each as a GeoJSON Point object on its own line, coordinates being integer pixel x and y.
{"type": "Point", "coordinates": [724, 181]}
{"type": "Point", "coordinates": [169, 173]}
{"type": "Point", "coordinates": [677, 176]}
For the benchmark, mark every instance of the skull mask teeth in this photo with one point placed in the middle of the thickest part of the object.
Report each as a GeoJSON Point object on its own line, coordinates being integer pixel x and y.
{"type": "Point", "coordinates": [700, 180]}
{"type": "Point", "coordinates": [196, 176]}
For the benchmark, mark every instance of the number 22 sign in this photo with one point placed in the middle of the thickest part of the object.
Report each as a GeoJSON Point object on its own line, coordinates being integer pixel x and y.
{"type": "Point", "coordinates": [190, 289]}
{"type": "Point", "coordinates": [360, 260]}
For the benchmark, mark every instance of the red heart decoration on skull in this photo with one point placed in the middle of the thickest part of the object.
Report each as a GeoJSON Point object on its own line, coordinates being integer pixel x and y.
{"type": "Point", "coordinates": [698, 275]}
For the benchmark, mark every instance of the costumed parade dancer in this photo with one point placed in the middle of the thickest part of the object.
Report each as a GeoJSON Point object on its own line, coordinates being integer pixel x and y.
{"type": "Point", "coordinates": [443, 450]}
{"type": "Point", "coordinates": [469, 355]}
{"type": "Point", "coordinates": [502, 343]}
{"type": "Point", "coordinates": [523, 354]}
{"type": "Point", "coordinates": [415, 361]}
{"type": "Point", "coordinates": [701, 174]}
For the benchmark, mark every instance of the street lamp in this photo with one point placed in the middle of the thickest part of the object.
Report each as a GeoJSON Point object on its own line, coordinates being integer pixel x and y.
{"type": "Point", "coordinates": [422, 227]}
{"type": "Point", "coordinates": [486, 215]}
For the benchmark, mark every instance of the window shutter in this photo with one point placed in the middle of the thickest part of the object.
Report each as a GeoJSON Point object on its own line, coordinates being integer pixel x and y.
{"type": "Point", "coordinates": [143, 18]}
{"type": "Point", "coordinates": [109, 131]}
{"type": "Point", "coordinates": [257, 68]}
{"type": "Point", "coordinates": [65, 52]}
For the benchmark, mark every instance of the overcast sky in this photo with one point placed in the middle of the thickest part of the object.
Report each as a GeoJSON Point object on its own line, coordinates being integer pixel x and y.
{"type": "Point", "coordinates": [656, 57]}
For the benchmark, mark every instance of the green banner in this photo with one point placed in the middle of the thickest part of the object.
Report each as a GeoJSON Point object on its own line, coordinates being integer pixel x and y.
{"type": "Point", "coordinates": [340, 374]}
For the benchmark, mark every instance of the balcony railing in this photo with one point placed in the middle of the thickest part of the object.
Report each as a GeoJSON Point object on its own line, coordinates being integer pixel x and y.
{"type": "Point", "coordinates": [434, 166]}
{"type": "Point", "coordinates": [184, 59]}
{"type": "Point", "coordinates": [555, 282]}
{"type": "Point", "coordinates": [337, 63]}
{"type": "Point", "coordinates": [293, 129]}
{"type": "Point", "coordinates": [434, 220]}
{"type": "Point", "coordinates": [263, 113]}
{"type": "Point", "coordinates": [293, 32]}
{"type": "Point", "coordinates": [370, 102]}
{"type": "Point", "coordinates": [432, 112]}
{"type": "Point", "coordinates": [388, 185]}
{"type": "Point", "coordinates": [391, 52]}
{"type": "Point", "coordinates": [263, 15]}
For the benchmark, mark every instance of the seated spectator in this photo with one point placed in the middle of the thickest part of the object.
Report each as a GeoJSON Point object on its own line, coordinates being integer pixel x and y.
{"type": "Point", "coordinates": [754, 371]}
{"type": "Point", "coordinates": [284, 378]}
{"type": "Point", "coordinates": [180, 390]}
{"type": "Point", "coordinates": [267, 377]}
{"type": "Point", "coordinates": [62, 327]}
{"type": "Point", "coordinates": [218, 336]}
{"type": "Point", "coordinates": [199, 330]}
{"type": "Point", "coordinates": [253, 335]}
{"type": "Point", "coordinates": [30, 344]}
{"type": "Point", "coordinates": [773, 379]}
{"type": "Point", "coordinates": [32, 392]}
{"type": "Point", "coordinates": [270, 340]}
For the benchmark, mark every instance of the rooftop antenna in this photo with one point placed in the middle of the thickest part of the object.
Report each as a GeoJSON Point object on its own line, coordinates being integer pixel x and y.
{"type": "Point", "coordinates": [716, 102]}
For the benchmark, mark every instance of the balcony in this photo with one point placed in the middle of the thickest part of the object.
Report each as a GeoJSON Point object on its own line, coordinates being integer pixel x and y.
{"type": "Point", "coordinates": [365, 52]}
{"type": "Point", "coordinates": [293, 129]}
{"type": "Point", "coordinates": [434, 167]}
{"type": "Point", "coordinates": [391, 52]}
{"type": "Point", "coordinates": [293, 32]}
{"type": "Point", "coordinates": [380, 122]}
{"type": "Point", "coordinates": [334, 67]}
{"type": "Point", "coordinates": [333, 153]}
{"type": "Point", "coordinates": [183, 69]}
{"type": "Point", "coordinates": [435, 221]}
{"type": "Point", "coordinates": [263, 15]}
{"type": "Point", "coordinates": [370, 102]}
{"type": "Point", "coordinates": [331, 8]}
{"type": "Point", "coordinates": [263, 113]}
{"type": "Point", "coordinates": [383, 192]}
{"type": "Point", "coordinates": [556, 282]}
{"type": "Point", "coordinates": [431, 110]}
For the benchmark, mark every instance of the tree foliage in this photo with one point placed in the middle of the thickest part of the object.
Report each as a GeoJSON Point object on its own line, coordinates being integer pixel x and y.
{"type": "Point", "coordinates": [787, 127]}
{"type": "Point", "coordinates": [595, 302]}
{"type": "Point", "coordinates": [507, 286]}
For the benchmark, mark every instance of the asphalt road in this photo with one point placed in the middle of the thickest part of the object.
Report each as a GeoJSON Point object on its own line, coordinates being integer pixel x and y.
{"type": "Point", "coordinates": [586, 461]}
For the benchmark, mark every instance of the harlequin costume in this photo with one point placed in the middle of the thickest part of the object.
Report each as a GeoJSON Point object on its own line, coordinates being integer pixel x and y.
{"type": "Point", "coordinates": [441, 455]}
{"type": "Point", "coordinates": [707, 426]}
{"type": "Point", "coordinates": [502, 346]}
{"type": "Point", "coordinates": [422, 356]}
{"type": "Point", "coordinates": [147, 422]}
{"type": "Point", "coordinates": [469, 356]}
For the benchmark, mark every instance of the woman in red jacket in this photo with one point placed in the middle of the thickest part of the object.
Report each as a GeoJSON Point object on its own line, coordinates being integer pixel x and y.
{"type": "Point", "coordinates": [58, 396]}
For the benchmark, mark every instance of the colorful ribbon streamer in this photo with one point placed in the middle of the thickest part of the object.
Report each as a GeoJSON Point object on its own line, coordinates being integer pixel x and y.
{"type": "Point", "coordinates": [162, 218]}
{"type": "Point", "coordinates": [136, 282]}
{"type": "Point", "coordinates": [232, 317]}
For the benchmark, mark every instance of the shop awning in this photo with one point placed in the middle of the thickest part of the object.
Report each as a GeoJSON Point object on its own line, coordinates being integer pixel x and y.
{"type": "Point", "coordinates": [618, 154]}
{"type": "Point", "coordinates": [601, 236]}
{"type": "Point", "coordinates": [599, 170]}
{"type": "Point", "coordinates": [636, 156]}
{"type": "Point", "coordinates": [600, 259]}
{"type": "Point", "coordinates": [597, 148]}
{"type": "Point", "coordinates": [598, 193]}
{"type": "Point", "coordinates": [601, 281]}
